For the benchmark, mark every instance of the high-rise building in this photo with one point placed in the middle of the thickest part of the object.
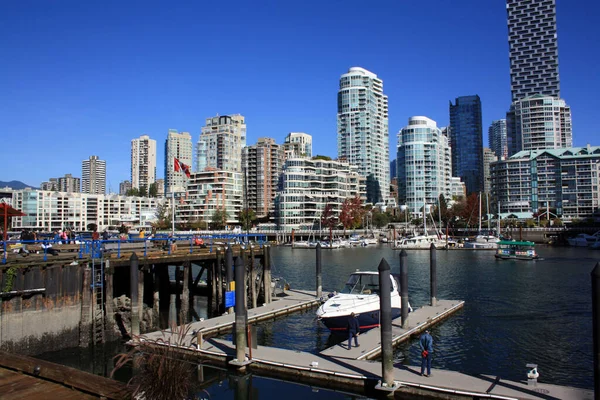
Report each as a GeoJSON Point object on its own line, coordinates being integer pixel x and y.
{"type": "Point", "coordinates": [221, 142]}
{"type": "Point", "coordinates": [178, 146]}
{"type": "Point", "coordinates": [539, 122]}
{"type": "Point", "coordinates": [488, 158]}
{"type": "Point", "coordinates": [93, 176]}
{"type": "Point", "coordinates": [497, 138]}
{"type": "Point", "coordinates": [424, 164]}
{"type": "Point", "coordinates": [564, 180]}
{"type": "Point", "coordinates": [362, 130]}
{"type": "Point", "coordinates": [50, 185]}
{"type": "Point", "coordinates": [299, 206]}
{"type": "Point", "coordinates": [533, 48]}
{"type": "Point", "coordinates": [467, 141]}
{"type": "Point", "coordinates": [124, 188]}
{"type": "Point", "coordinates": [69, 184]}
{"type": "Point", "coordinates": [298, 144]}
{"type": "Point", "coordinates": [143, 162]}
{"type": "Point", "coordinates": [262, 164]}
{"type": "Point", "coordinates": [160, 187]}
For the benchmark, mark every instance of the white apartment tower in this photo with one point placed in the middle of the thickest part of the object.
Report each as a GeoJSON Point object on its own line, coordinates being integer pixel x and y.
{"type": "Point", "coordinates": [93, 176]}
{"type": "Point", "coordinates": [424, 163]}
{"type": "Point", "coordinates": [178, 145]}
{"type": "Point", "coordinates": [221, 142]}
{"type": "Point", "coordinates": [298, 144]}
{"type": "Point", "coordinates": [362, 129]}
{"type": "Point", "coordinates": [143, 162]}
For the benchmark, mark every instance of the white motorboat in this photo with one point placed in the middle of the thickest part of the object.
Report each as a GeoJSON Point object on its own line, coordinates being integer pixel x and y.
{"type": "Point", "coordinates": [360, 295]}
{"type": "Point", "coordinates": [420, 242]}
{"type": "Point", "coordinates": [482, 241]}
{"type": "Point", "coordinates": [583, 239]}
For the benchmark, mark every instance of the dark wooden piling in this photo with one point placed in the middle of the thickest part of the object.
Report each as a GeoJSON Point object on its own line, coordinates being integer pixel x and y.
{"type": "Point", "coordinates": [253, 291]}
{"type": "Point", "coordinates": [134, 287]}
{"type": "Point", "coordinates": [141, 280]}
{"type": "Point", "coordinates": [319, 271]}
{"type": "Point", "coordinates": [156, 298]}
{"type": "Point", "coordinates": [596, 327]}
{"type": "Point", "coordinates": [267, 274]}
{"type": "Point", "coordinates": [85, 325]}
{"type": "Point", "coordinates": [385, 317]}
{"type": "Point", "coordinates": [185, 296]}
{"type": "Point", "coordinates": [228, 274]}
{"type": "Point", "coordinates": [109, 306]}
{"type": "Point", "coordinates": [404, 288]}
{"type": "Point", "coordinates": [433, 274]}
{"type": "Point", "coordinates": [240, 310]}
{"type": "Point", "coordinates": [211, 280]}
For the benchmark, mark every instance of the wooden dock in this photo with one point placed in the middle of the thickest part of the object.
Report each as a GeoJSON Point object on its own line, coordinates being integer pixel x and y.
{"type": "Point", "coordinates": [29, 378]}
{"type": "Point", "coordinates": [343, 369]}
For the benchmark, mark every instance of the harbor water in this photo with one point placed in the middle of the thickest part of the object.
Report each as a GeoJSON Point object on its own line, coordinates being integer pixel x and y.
{"type": "Point", "coordinates": [516, 312]}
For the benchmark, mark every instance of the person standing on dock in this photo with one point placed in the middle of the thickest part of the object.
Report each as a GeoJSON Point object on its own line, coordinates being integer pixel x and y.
{"type": "Point", "coordinates": [426, 345]}
{"type": "Point", "coordinates": [353, 329]}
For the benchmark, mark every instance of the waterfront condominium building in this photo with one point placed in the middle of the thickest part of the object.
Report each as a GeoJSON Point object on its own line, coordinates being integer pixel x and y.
{"type": "Point", "coordinates": [424, 164]}
{"type": "Point", "coordinates": [488, 158]}
{"type": "Point", "coordinates": [178, 146]}
{"type": "Point", "coordinates": [297, 144]}
{"type": "Point", "coordinates": [124, 187]}
{"type": "Point", "coordinates": [467, 141]}
{"type": "Point", "coordinates": [143, 162]}
{"type": "Point", "coordinates": [458, 188]}
{"type": "Point", "coordinates": [565, 180]}
{"type": "Point", "coordinates": [540, 122]}
{"type": "Point", "coordinates": [362, 129]}
{"type": "Point", "coordinates": [221, 142]}
{"type": "Point", "coordinates": [497, 138]}
{"type": "Point", "coordinates": [93, 176]}
{"type": "Point", "coordinates": [262, 165]}
{"type": "Point", "coordinates": [208, 191]}
{"type": "Point", "coordinates": [307, 186]}
{"type": "Point", "coordinates": [50, 211]}
{"type": "Point", "coordinates": [533, 48]}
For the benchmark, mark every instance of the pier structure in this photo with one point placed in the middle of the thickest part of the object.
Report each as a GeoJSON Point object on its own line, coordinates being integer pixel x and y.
{"type": "Point", "coordinates": [69, 300]}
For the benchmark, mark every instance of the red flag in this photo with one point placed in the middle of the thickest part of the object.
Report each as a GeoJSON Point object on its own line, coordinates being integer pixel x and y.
{"type": "Point", "coordinates": [179, 166]}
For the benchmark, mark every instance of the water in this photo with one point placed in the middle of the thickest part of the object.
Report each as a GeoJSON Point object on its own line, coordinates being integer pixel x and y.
{"type": "Point", "coordinates": [516, 312]}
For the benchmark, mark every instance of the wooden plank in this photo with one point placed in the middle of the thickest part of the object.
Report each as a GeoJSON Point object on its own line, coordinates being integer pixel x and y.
{"type": "Point", "coordinates": [63, 375]}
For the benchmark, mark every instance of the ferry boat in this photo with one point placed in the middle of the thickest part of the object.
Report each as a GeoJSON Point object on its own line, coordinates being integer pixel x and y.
{"type": "Point", "coordinates": [513, 250]}
{"type": "Point", "coordinates": [360, 295]}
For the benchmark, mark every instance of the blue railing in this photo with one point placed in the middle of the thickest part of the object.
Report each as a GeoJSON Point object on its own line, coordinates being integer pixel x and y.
{"type": "Point", "coordinates": [95, 248]}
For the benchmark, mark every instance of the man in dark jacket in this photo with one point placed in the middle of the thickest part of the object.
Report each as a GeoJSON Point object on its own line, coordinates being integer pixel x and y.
{"type": "Point", "coordinates": [426, 345]}
{"type": "Point", "coordinates": [353, 329]}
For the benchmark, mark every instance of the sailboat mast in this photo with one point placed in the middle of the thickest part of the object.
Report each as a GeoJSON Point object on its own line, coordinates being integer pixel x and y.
{"type": "Point", "coordinates": [487, 208]}
{"type": "Point", "coordinates": [498, 219]}
{"type": "Point", "coordinates": [425, 217]}
{"type": "Point", "coordinates": [479, 212]}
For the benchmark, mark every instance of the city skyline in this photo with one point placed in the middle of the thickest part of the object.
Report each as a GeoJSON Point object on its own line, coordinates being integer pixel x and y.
{"type": "Point", "coordinates": [66, 92]}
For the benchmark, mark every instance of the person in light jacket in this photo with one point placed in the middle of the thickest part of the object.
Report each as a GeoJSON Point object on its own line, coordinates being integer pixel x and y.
{"type": "Point", "coordinates": [426, 345]}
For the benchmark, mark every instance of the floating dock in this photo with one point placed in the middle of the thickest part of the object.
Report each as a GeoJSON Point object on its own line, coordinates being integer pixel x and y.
{"type": "Point", "coordinates": [343, 369]}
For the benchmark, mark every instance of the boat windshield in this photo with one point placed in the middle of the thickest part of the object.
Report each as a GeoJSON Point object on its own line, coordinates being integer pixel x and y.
{"type": "Point", "coordinates": [362, 284]}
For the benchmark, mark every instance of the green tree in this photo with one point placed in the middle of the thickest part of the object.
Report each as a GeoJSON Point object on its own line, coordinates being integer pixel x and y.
{"type": "Point", "coordinates": [320, 157]}
{"type": "Point", "coordinates": [153, 191]}
{"type": "Point", "coordinates": [247, 217]}
{"type": "Point", "coordinates": [143, 192]}
{"type": "Point", "coordinates": [219, 219]}
{"type": "Point", "coordinates": [380, 219]}
{"type": "Point", "coordinates": [132, 192]}
{"type": "Point", "coordinates": [164, 216]}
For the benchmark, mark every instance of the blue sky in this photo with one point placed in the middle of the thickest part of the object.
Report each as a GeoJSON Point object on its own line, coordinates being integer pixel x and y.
{"type": "Point", "coordinates": [81, 78]}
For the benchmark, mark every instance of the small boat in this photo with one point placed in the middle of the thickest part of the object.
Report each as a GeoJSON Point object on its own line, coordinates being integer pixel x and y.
{"type": "Point", "coordinates": [513, 250]}
{"type": "Point", "coordinates": [360, 295]}
{"type": "Point", "coordinates": [482, 241]}
{"type": "Point", "coordinates": [583, 239]}
{"type": "Point", "coordinates": [420, 242]}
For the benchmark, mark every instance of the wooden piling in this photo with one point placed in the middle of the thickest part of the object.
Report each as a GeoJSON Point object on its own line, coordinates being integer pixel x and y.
{"type": "Point", "coordinates": [267, 274]}
{"type": "Point", "coordinates": [134, 287]}
{"type": "Point", "coordinates": [185, 297]}
{"type": "Point", "coordinates": [109, 306]}
{"type": "Point", "coordinates": [253, 291]}
{"type": "Point", "coordinates": [85, 325]}
{"type": "Point", "coordinates": [156, 298]}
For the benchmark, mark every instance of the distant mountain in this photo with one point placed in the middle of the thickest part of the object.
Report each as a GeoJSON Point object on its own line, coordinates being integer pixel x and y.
{"type": "Point", "coordinates": [15, 185]}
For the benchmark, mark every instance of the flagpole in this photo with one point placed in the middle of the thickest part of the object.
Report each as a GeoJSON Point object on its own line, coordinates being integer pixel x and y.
{"type": "Point", "coordinates": [173, 212]}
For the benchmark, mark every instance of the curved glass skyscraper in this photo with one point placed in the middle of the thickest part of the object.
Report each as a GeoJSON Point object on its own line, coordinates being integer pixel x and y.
{"type": "Point", "coordinates": [362, 130]}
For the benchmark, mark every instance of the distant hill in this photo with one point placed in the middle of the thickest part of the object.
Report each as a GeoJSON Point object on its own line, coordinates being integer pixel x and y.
{"type": "Point", "coordinates": [15, 185]}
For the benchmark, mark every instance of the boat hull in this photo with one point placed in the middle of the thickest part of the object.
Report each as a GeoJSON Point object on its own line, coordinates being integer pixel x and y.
{"type": "Point", "coordinates": [505, 257]}
{"type": "Point", "coordinates": [367, 320]}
